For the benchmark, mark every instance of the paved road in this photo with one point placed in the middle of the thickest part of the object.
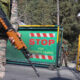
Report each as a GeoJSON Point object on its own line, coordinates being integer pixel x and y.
{"type": "Point", "coordinates": [18, 72]}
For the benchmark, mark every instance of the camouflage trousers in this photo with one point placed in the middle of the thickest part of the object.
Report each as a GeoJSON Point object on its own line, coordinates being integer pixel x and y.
{"type": "Point", "coordinates": [3, 42]}
{"type": "Point", "coordinates": [64, 59]}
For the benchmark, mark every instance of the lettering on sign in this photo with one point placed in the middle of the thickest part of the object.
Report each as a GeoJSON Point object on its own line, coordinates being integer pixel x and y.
{"type": "Point", "coordinates": [42, 42]}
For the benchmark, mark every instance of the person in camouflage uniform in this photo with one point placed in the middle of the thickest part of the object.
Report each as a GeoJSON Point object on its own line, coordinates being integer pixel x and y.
{"type": "Point", "coordinates": [64, 53]}
{"type": "Point", "coordinates": [9, 7]}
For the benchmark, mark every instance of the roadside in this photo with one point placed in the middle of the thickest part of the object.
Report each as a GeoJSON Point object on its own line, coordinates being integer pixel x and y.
{"type": "Point", "coordinates": [18, 72]}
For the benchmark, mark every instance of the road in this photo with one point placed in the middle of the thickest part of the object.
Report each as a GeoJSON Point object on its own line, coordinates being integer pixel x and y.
{"type": "Point", "coordinates": [18, 72]}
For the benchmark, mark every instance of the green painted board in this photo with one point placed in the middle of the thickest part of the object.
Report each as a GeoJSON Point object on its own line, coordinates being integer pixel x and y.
{"type": "Point", "coordinates": [41, 43]}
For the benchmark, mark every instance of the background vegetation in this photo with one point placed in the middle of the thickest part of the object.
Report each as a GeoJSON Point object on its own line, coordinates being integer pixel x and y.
{"type": "Point", "coordinates": [43, 12]}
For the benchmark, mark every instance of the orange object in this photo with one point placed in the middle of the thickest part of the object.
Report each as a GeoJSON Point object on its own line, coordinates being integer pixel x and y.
{"type": "Point", "coordinates": [19, 44]}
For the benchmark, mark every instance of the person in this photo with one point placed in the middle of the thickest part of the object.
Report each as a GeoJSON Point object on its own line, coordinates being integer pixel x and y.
{"type": "Point", "coordinates": [64, 53]}
{"type": "Point", "coordinates": [10, 9]}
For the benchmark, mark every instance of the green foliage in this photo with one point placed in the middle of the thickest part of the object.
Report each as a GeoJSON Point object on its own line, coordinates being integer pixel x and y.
{"type": "Point", "coordinates": [43, 12]}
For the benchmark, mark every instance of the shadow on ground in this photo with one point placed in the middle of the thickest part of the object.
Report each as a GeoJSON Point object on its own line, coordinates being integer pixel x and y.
{"type": "Point", "coordinates": [73, 71]}
{"type": "Point", "coordinates": [59, 78]}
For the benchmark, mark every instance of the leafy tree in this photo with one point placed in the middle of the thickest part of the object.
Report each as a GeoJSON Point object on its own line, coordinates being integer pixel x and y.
{"type": "Point", "coordinates": [44, 12]}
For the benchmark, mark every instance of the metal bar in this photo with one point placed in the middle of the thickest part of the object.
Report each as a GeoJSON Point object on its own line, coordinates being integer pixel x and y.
{"type": "Point", "coordinates": [58, 22]}
{"type": "Point", "coordinates": [58, 34]}
{"type": "Point", "coordinates": [37, 25]}
{"type": "Point", "coordinates": [78, 56]}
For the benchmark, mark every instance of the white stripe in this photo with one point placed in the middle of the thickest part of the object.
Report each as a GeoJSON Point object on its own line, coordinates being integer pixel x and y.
{"type": "Point", "coordinates": [40, 57]}
{"type": "Point", "coordinates": [41, 34]}
{"type": "Point", "coordinates": [53, 34]}
{"type": "Point", "coordinates": [30, 34]}
{"type": "Point", "coordinates": [35, 34]}
{"type": "Point", "coordinates": [51, 57]}
{"type": "Point", "coordinates": [46, 56]}
{"type": "Point", "coordinates": [47, 34]}
{"type": "Point", "coordinates": [34, 56]}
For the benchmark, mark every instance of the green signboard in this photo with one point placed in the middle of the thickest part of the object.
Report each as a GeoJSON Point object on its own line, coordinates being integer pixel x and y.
{"type": "Point", "coordinates": [42, 44]}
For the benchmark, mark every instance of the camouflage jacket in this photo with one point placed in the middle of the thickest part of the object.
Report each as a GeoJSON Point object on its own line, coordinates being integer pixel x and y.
{"type": "Point", "coordinates": [10, 9]}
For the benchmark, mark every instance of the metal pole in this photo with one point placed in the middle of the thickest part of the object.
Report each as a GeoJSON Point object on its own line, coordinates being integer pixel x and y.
{"type": "Point", "coordinates": [58, 23]}
{"type": "Point", "coordinates": [78, 55]}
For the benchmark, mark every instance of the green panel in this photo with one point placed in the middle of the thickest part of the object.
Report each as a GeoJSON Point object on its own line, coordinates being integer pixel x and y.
{"type": "Point", "coordinates": [46, 46]}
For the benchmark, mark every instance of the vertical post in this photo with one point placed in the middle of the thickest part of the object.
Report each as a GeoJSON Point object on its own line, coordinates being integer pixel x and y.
{"type": "Point", "coordinates": [58, 12]}
{"type": "Point", "coordinates": [58, 34]}
{"type": "Point", "coordinates": [58, 20]}
{"type": "Point", "coordinates": [57, 57]}
{"type": "Point", "coordinates": [78, 56]}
